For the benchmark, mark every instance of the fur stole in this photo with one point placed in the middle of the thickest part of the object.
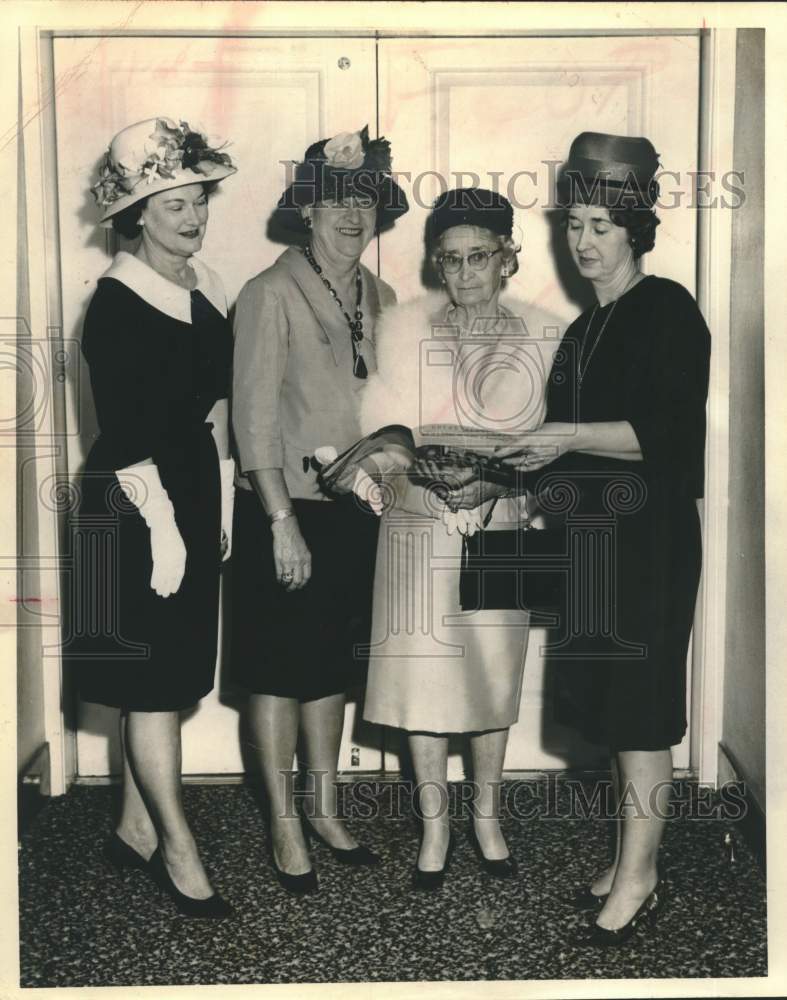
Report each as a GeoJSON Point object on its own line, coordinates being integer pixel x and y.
{"type": "Point", "coordinates": [429, 372]}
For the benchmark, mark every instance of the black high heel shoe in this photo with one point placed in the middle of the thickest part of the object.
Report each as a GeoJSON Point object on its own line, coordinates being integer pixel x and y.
{"type": "Point", "coordinates": [500, 867]}
{"type": "Point", "coordinates": [431, 880]}
{"type": "Point", "coordinates": [356, 857]}
{"type": "Point", "coordinates": [214, 906]}
{"type": "Point", "coordinates": [297, 885]}
{"type": "Point", "coordinates": [585, 900]}
{"type": "Point", "coordinates": [122, 855]}
{"type": "Point", "coordinates": [601, 937]}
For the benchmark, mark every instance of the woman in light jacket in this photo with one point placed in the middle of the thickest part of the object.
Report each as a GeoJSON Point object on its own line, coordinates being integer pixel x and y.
{"type": "Point", "coordinates": [304, 346]}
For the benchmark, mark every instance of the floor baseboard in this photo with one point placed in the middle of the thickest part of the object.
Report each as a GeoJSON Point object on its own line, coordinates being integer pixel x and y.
{"type": "Point", "coordinates": [33, 788]}
{"type": "Point", "coordinates": [356, 775]}
{"type": "Point", "coordinates": [752, 824]}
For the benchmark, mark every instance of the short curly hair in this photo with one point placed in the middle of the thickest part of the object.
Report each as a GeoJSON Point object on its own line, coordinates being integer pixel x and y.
{"type": "Point", "coordinates": [127, 224]}
{"type": "Point", "coordinates": [640, 223]}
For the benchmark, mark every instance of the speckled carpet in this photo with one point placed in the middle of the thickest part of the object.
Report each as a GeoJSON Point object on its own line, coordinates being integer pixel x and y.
{"type": "Point", "coordinates": [83, 924]}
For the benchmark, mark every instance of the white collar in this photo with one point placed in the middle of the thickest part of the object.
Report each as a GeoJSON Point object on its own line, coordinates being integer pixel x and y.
{"type": "Point", "coordinates": [163, 294]}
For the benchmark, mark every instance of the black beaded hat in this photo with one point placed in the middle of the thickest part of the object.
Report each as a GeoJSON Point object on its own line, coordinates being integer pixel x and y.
{"type": "Point", "coordinates": [614, 170]}
{"type": "Point", "coordinates": [470, 207]}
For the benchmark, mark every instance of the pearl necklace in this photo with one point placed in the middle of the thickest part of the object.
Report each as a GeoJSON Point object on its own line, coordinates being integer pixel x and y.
{"type": "Point", "coordinates": [356, 324]}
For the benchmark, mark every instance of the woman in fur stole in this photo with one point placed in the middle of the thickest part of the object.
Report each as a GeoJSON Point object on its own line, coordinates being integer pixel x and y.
{"type": "Point", "coordinates": [455, 367]}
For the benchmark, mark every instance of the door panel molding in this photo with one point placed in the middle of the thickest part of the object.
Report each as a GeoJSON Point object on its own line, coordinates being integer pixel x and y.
{"type": "Point", "coordinates": [498, 107]}
{"type": "Point", "coordinates": [633, 78]}
{"type": "Point", "coordinates": [270, 98]}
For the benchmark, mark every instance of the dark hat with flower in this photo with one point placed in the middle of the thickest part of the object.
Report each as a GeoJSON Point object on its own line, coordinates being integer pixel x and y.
{"type": "Point", "coordinates": [152, 156]}
{"type": "Point", "coordinates": [614, 170]}
{"type": "Point", "coordinates": [470, 207]}
{"type": "Point", "coordinates": [348, 165]}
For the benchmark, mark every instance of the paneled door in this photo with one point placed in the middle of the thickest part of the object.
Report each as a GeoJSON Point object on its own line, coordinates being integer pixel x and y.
{"type": "Point", "coordinates": [502, 113]}
{"type": "Point", "coordinates": [269, 98]}
{"type": "Point", "coordinates": [499, 112]}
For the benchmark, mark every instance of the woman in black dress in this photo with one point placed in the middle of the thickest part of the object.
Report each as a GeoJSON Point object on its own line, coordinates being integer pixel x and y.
{"type": "Point", "coordinates": [156, 511]}
{"type": "Point", "coordinates": [623, 442]}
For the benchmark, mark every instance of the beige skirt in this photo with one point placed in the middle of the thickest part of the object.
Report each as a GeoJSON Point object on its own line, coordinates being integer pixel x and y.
{"type": "Point", "coordinates": [433, 667]}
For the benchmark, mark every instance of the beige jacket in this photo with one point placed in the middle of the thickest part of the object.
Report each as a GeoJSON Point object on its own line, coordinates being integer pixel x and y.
{"type": "Point", "coordinates": [293, 385]}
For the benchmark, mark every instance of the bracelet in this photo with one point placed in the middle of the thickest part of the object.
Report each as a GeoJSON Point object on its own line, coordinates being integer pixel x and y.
{"type": "Point", "coordinates": [280, 515]}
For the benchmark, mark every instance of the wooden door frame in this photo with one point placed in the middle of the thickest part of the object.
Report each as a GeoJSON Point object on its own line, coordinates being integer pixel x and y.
{"type": "Point", "coordinates": [38, 133]}
{"type": "Point", "coordinates": [714, 281]}
{"type": "Point", "coordinates": [716, 121]}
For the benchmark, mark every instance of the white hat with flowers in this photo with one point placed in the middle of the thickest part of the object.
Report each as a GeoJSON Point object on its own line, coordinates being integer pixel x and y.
{"type": "Point", "coordinates": [152, 156]}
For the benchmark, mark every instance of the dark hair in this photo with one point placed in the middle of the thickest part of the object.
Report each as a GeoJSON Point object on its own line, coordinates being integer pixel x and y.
{"type": "Point", "coordinates": [640, 223]}
{"type": "Point", "coordinates": [126, 223]}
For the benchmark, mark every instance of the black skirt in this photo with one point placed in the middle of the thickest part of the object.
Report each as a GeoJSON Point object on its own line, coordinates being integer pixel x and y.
{"type": "Point", "coordinates": [302, 644]}
{"type": "Point", "coordinates": [632, 527]}
{"type": "Point", "coordinates": [618, 658]}
{"type": "Point", "coordinates": [130, 648]}
{"type": "Point", "coordinates": [155, 379]}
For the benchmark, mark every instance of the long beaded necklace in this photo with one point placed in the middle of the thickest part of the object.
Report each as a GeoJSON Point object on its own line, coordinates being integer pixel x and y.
{"type": "Point", "coordinates": [356, 324]}
{"type": "Point", "coordinates": [581, 372]}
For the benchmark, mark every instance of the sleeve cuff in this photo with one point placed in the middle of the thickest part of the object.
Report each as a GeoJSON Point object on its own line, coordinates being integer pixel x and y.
{"type": "Point", "coordinates": [261, 456]}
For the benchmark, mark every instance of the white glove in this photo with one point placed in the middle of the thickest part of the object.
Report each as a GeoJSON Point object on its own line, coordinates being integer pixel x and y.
{"type": "Point", "coordinates": [227, 476]}
{"type": "Point", "coordinates": [450, 520]}
{"type": "Point", "coordinates": [142, 486]}
{"type": "Point", "coordinates": [326, 454]}
{"type": "Point", "coordinates": [366, 489]}
{"type": "Point", "coordinates": [468, 521]}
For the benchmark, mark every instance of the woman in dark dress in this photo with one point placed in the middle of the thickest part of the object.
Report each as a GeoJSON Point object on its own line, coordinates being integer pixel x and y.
{"type": "Point", "coordinates": [622, 452]}
{"type": "Point", "coordinates": [156, 511]}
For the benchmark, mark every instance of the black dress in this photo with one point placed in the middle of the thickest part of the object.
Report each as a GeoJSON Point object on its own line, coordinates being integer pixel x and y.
{"type": "Point", "coordinates": [632, 528]}
{"type": "Point", "coordinates": [155, 378]}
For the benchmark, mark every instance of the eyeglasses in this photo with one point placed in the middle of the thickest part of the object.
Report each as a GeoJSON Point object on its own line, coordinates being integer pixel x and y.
{"type": "Point", "coordinates": [478, 260]}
